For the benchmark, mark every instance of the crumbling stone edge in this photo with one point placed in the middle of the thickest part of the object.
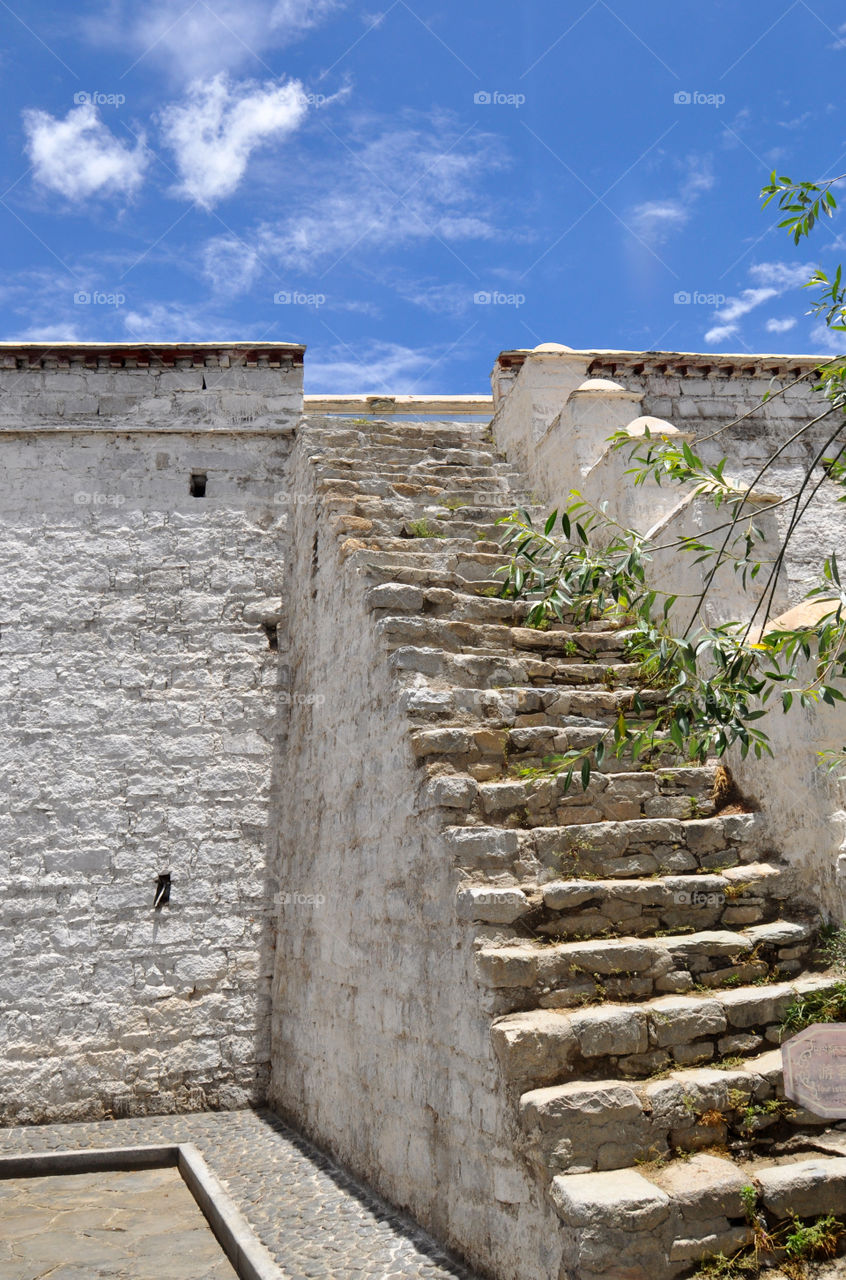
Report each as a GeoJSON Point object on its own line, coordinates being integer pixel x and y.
{"type": "Point", "coordinates": [250, 1259]}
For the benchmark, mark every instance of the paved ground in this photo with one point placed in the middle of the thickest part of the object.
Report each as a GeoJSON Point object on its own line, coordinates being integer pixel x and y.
{"type": "Point", "coordinates": [88, 1226]}
{"type": "Point", "coordinates": [317, 1221]}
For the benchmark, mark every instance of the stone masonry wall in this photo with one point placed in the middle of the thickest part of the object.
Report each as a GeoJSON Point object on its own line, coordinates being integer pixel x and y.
{"type": "Point", "coordinates": [703, 399]}
{"type": "Point", "coordinates": [140, 725]}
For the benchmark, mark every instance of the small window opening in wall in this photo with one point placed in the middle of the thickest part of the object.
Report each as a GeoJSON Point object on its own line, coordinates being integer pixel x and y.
{"type": "Point", "coordinates": [162, 891]}
{"type": "Point", "coordinates": [198, 484]}
{"type": "Point", "coordinates": [270, 630]}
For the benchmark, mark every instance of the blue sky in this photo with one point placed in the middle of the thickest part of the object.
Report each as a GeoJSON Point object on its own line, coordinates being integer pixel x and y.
{"type": "Point", "coordinates": [411, 188]}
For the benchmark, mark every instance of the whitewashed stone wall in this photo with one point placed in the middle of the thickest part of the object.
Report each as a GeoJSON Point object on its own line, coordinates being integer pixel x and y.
{"type": "Point", "coordinates": [141, 729]}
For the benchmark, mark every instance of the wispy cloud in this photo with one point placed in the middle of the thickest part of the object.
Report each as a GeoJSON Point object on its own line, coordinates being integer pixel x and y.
{"type": "Point", "coordinates": [656, 220]}
{"type": "Point", "coordinates": [840, 42]}
{"type": "Point", "coordinates": [79, 157]}
{"type": "Point", "coordinates": [230, 265]}
{"type": "Point", "coordinates": [401, 186]}
{"type": "Point", "coordinates": [827, 342]}
{"type": "Point", "coordinates": [215, 129]}
{"type": "Point", "coordinates": [199, 38]}
{"type": "Point", "coordinates": [440, 299]}
{"type": "Point", "coordinates": [172, 322]}
{"type": "Point", "coordinates": [372, 367]}
{"type": "Point", "coordinates": [781, 326]}
{"type": "Point", "coordinates": [46, 333]}
{"type": "Point", "coordinates": [770, 280]}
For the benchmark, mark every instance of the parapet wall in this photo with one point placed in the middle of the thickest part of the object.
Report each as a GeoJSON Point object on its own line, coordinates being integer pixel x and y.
{"type": "Point", "coordinates": [555, 408]}
{"type": "Point", "coordinates": [142, 722]}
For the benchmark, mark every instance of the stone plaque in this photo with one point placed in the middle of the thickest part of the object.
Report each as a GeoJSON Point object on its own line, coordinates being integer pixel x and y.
{"type": "Point", "coordinates": [814, 1065]}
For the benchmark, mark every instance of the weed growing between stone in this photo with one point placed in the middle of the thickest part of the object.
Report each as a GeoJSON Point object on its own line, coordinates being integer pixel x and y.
{"type": "Point", "coordinates": [816, 1006]}
{"type": "Point", "coordinates": [788, 1246]}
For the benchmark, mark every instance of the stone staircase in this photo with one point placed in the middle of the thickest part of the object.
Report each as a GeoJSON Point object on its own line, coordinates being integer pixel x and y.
{"type": "Point", "coordinates": [637, 948]}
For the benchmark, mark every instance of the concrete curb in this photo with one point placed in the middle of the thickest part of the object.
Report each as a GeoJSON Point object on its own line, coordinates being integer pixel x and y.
{"type": "Point", "coordinates": [249, 1257]}
{"type": "Point", "coordinates": [234, 1234]}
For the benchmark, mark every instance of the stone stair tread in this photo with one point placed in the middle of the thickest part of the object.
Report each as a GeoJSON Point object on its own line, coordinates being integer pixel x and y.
{"type": "Point", "coordinates": [690, 1207]}
{"type": "Point", "coordinates": [637, 952]}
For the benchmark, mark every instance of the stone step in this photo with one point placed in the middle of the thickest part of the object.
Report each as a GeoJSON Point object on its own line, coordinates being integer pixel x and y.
{"type": "Point", "coordinates": [546, 708]}
{"type": "Point", "coordinates": [399, 519]}
{"type": "Point", "coordinates": [482, 670]}
{"type": "Point", "coordinates": [381, 451]}
{"type": "Point", "coordinates": [435, 554]}
{"type": "Point", "coordinates": [395, 542]}
{"type": "Point", "coordinates": [400, 599]}
{"type": "Point", "coordinates": [587, 1125]}
{"type": "Point", "coordinates": [744, 895]}
{"type": "Point", "coordinates": [662, 1220]}
{"type": "Point", "coordinates": [487, 480]}
{"type": "Point", "coordinates": [405, 493]}
{"type": "Point", "coordinates": [396, 461]}
{"type": "Point", "coordinates": [506, 757]}
{"type": "Point", "coordinates": [546, 1045]}
{"type": "Point", "coordinates": [491, 794]}
{"type": "Point", "coordinates": [422, 437]}
{"type": "Point", "coordinates": [459, 636]}
{"type": "Point", "coordinates": [530, 975]}
{"type": "Point", "coordinates": [603, 850]}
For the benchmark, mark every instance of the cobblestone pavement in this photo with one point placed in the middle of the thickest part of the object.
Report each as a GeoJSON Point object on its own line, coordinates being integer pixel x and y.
{"type": "Point", "coordinates": [124, 1226]}
{"type": "Point", "coordinates": [316, 1220]}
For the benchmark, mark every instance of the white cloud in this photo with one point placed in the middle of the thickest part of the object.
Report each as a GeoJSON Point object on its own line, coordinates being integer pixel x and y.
{"type": "Point", "coordinates": [780, 326]}
{"type": "Point", "coordinates": [699, 178]}
{"type": "Point", "coordinates": [370, 367]}
{"type": "Point", "coordinates": [79, 157]}
{"type": "Point", "coordinates": [721, 332]}
{"type": "Point", "coordinates": [797, 121]}
{"type": "Point", "coordinates": [45, 333]}
{"type": "Point", "coordinates": [171, 322]}
{"type": "Point", "coordinates": [781, 275]}
{"type": "Point", "coordinates": [655, 219]}
{"type": "Point", "coordinates": [218, 126]}
{"type": "Point", "coordinates": [749, 299]}
{"type": "Point", "coordinates": [200, 39]}
{"type": "Point", "coordinates": [229, 264]}
{"type": "Point", "coordinates": [404, 185]}
{"type": "Point", "coordinates": [841, 42]}
{"type": "Point", "coordinates": [771, 279]}
{"type": "Point", "coordinates": [826, 342]}
{"type": "Point", "coordinates": [441, 299]}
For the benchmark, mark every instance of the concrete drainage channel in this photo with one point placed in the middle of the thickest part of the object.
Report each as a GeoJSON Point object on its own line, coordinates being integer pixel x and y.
{"type": "Point", "coordinates": [248, 1256]}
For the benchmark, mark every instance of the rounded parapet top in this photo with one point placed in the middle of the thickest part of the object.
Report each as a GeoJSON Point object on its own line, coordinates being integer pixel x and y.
{"type": "Point", "coordinates": [655, 427]}
{"type": "Point", "coordinates": [605, 389]}
{"type": "Point", "coordinates": [552, 349]}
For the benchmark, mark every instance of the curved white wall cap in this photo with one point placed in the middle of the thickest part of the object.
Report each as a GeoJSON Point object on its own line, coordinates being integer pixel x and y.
{"type": "Point", "coordinates": [655, 427]}
{"type": "Point", "coordinates": [552, 349]}
{"type": "Point", "coordinates": [606, 388]}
